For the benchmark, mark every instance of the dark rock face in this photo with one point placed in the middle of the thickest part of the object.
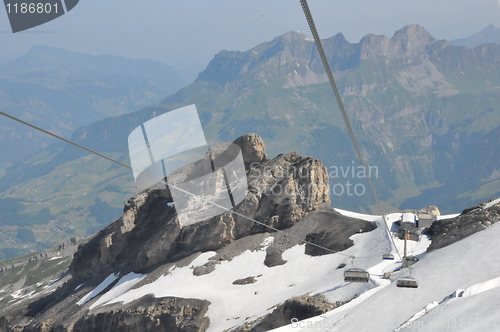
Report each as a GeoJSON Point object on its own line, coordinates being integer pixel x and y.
{"type": "Point", "coordinates": [162, 315]}
{"type": "Point", "coordinates": [252, 148]}
{"type": "Point", "coordinates": [245, 281]}
{"type": "Point", "coordinates": [281, 191]}
{"type": "Point", "coordinates": [146, 314]}
{"type": "Point", "coordinates": [324, 227]}
{"type": "Point", "coordinates": [292, 310]}
{"type": "Point", "coordinates": [334, 238]}
{"type": "Point", "coordinates": [470, 221]}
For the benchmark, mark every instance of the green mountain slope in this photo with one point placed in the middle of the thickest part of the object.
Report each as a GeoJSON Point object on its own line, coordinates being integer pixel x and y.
{"type": "Point", "coordinates": [61, 91]}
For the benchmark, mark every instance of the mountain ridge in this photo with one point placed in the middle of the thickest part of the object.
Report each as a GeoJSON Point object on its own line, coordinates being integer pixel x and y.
{"type": "Point", "coordinates": [490, 34]}
{"type": "Point", "coordinates": [60, 90]}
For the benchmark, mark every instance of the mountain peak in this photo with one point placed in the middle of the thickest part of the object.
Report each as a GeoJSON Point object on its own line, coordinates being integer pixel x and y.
{"type": "Point", "coordinates": [338, 39]}
{"type": "Point", "coordinates": [410, 41]}
{"type": "Point", "coordinates": [293, 36]}
{"type": "Point", "coordinates": [490, 29]}
{"type": "Point", "coordinates": [489, 35]}
{"type": "Point", "coordinates": [413, 33]}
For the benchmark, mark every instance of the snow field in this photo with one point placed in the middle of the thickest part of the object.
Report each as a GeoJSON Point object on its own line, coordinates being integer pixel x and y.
{"type": "Point", "coordinates": [379, 305]}
{"type": "Point", "coordinates": [233, 305]}
{"type": "Point", "coordinates": [102, 286]}
{"type": "Point", "coordinates": [124, 284]}
{"type": "Point", "coordinates": [470, 264]}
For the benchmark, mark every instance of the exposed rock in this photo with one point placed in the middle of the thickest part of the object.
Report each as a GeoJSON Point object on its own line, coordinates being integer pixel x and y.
{"type": "Point", "coordinates": [252, 148]}
{"type": "Point", "coordinates": [65, 249]}
{"type": "Point", "coordinates": [430, 210]}
{"type": "Point", "coordinates": [410, 41]}
{"type": "Point", "coordinates": [334, 238]}
{"type": "Point", "coordinates": [146, 314]}
{"type": "Point", "coordinates": [273, 257]}
{"type": "Point", "coordinates": [296, 309]}
{"type": "Point", "coordinates": [434, 210]}
{"type": "Point", "coordinates": [470, 221]}
{"type": "Point", "coordinates": [281, 191]}
{"type": "Point", "coordinates": [245, 281]}
{"type": "Point", "coordinates": [166, 314]}
{"type": "Point", "coordinates": [325, 227]}
{"type": "Point", "coordinates": [204, 269]}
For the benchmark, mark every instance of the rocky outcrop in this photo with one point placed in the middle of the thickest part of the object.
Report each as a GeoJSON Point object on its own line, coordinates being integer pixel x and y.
{"type": "Point", "coordinates": [470, 221]}
{"type": "Point", "coordinates": [166, 314]}
{"type": "Point", "coordinates": [252, 148]}
{"type": "Point", "coordinates": [281, 191]}
{"type": "Point", "coordinates": [292, 310]}
{"type": "Point", "coordinates": [64, 249]}
{"type": "Point", "coordinates": [146, 314]}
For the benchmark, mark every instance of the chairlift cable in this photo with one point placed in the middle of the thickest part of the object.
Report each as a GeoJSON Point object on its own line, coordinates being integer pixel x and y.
{"type": "Point", "coordinates": [328, 70]}
{"type": "Point", "coordinates": [170, 185]}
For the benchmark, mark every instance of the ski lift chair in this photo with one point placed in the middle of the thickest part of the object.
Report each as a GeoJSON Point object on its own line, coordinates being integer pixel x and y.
{"type": "Point", "coordinates": [407, 282]}
{"type": "Point", "coordinates": [388, 256]}
{"type": "Point", "coordinates": [356, 275]}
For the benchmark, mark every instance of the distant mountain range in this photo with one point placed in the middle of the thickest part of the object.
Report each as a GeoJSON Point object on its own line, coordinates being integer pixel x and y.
{"type": "Point", "coordinates": [425, 112]}
{"type": "Point", "coordinates": [61, 91]}
{"type": "Point", "coordinates": [488, 35]}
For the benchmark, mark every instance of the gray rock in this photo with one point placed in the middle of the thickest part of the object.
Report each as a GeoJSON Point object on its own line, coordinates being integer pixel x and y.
{"type": "Point", "coordinates": [471, 220]}
{"type": "Point", "coordinates": [297, 308]}
{"type": "Point", "coordinates": [282, 190]}
{"type": "Point", "coordinates": [166, 314]}
{"type": "Point", "coordinates": [245, 281]}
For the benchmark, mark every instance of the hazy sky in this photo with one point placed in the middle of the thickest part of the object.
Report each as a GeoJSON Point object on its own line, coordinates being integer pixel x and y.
{"type": "Point", "coordinates": [192, 31]}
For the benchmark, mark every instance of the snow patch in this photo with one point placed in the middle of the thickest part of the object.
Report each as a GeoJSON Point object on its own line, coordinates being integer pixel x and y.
{"type": "Point", "coordinates": [448, 216]}
{"type": "Point", "coordinates": [18, 294]}
{"type": "Point", "coordinates": [490, 204]}
{"type": "Point", "coordinates": [102, 286]}
{"type": "Point", "coordinates": [125, 283]}
{"type": "Point", "coordinates": [266, 243]}
{"type": "Point", "coordinates": [201, 259]}
{"type": "Point", "coordinates": [481, 287]}
{"type": "Point", "coordinates": [419, 314]}
{"type": "Point", "coordinates": [367, 217]}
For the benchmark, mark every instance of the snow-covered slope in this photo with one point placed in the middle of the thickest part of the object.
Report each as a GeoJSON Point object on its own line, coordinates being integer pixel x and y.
{"type": "Point", "coordinates": [470, 264]}
{"type": "Point", "coordinates": [234, 304]}
{"type": "Point", "coordinates": [454, 283]}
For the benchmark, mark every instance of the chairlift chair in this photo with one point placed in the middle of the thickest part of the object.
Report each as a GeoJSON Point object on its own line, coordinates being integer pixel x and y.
{"type": "Point", "coordinates": [388, 256]}
{"type": "Point", "coordinates": [356, 275]}
{"type": "Point", "coordinates": [407, 282]}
